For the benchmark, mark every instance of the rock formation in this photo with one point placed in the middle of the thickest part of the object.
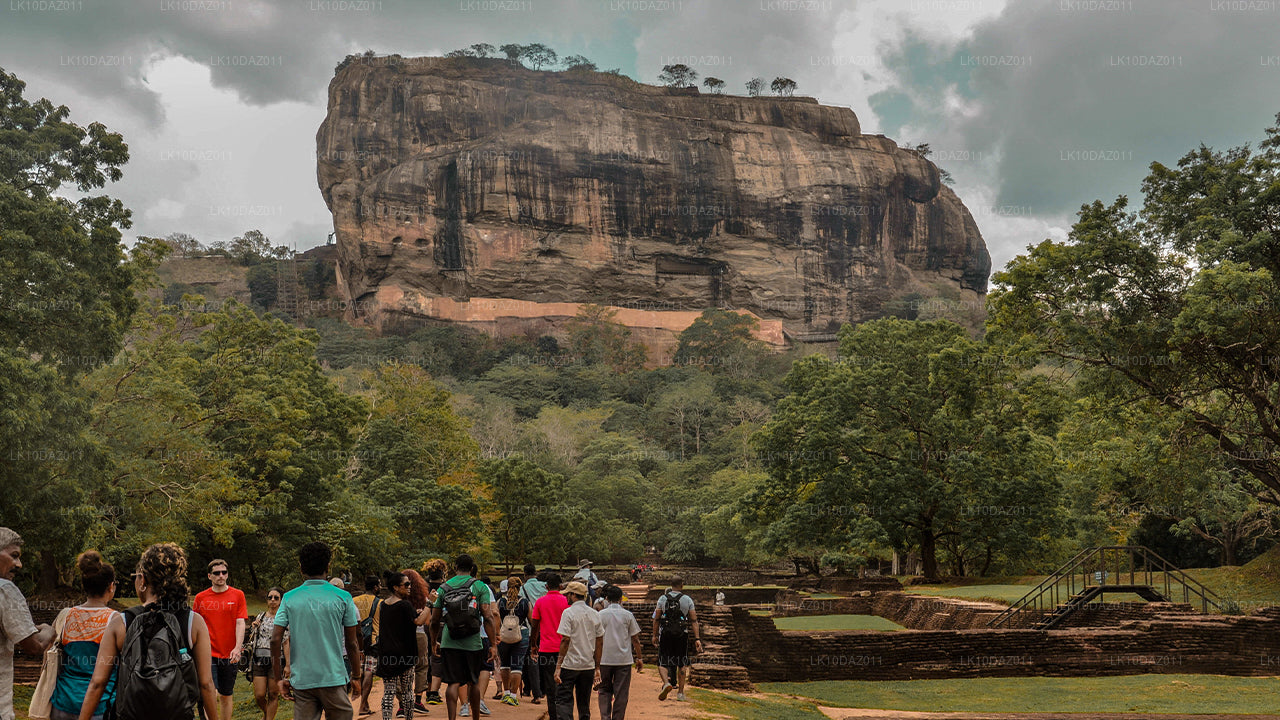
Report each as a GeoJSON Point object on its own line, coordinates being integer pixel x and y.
{"type": "Point", "coordinates": [476, 191]}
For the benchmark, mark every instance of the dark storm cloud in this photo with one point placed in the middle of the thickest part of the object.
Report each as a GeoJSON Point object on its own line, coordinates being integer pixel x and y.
{"type": "Point", "coordinates": [1078, 97]}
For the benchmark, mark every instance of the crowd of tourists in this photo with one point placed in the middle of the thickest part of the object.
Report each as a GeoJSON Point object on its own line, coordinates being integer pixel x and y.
{"type": "Point", "coordinates": [444, 634]}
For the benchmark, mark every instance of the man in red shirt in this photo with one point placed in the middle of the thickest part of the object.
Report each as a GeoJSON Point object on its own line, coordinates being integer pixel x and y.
{"type": "Point", "coordinates": [224, 611]}
{"type": "Point", "coordinates": [545, 637]}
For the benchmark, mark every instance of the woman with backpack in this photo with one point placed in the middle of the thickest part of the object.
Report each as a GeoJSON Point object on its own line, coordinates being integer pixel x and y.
{"type": "Point", "coordinates": [159, 650]}
{"type": "Point", "coordinates": [398, 623]}
{"type": "Point", "coordinates": [81, 631]}
{"type": "Point", "coordinates": [513, 637]}
{"type": "Point", "coordinates": [264, 682]}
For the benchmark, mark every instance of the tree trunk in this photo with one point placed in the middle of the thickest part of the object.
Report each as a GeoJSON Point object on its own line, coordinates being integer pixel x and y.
{"type": "Point", "coordinates": [253, 577]}
{"type": "Point", "coordinates": [48, 581]}
{"type": "Point", "coordinates": [986, 565]}
{"type": "Point", "coordinates": [928, 551]}
{"type": "Point", "coordinates": [1229, 542]}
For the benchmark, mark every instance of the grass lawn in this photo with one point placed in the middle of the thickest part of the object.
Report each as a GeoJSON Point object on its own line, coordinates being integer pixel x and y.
{"type": "Point", "coordinates": [1006, 594]}
{"type": "Point", "coordinates": [836, 622]}
{"type": "Point", "coordinates": [753, 708]}
{"type": "Point", "coordinates": [1139, 693]}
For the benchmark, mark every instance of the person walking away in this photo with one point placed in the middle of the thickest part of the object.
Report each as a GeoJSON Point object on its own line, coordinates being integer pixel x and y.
{"type": "Point", "coordinates": [588, 578]}
{"type": "Point", "coordinates": [260, 631]}
{"type": "Point", "coordinates": [489, 667]}
{"type": "Point", "coordinates": [513, 636]}
{"type": "Point", "coordinates": [545, 625]}
{"type": "Point", "coordinates": [83, 627]}
{"type": "Point", "coordinates": [321, 620]}
{"type": "Point", "coordinates": [620, 648]}
{"type": "Point", "coordinates": [532, 589]}
{"type": "Point", "coordinates": [673, 619]}
{"type": "Point", "coordinates": [398, 623]}
{"type": "Point", "coordinates": [224, 610]}
{"type": "Point", "coordinates": [580, 637]}
{"type": "Point", "coordinates": [16, 626]}
{"type": "Point", "coordinates": [419, 598]}
{"type": "Point", "coordinates": [366, 605]}
{"type": "Point", "coordinates": [159, 651]}
{"type": "Point", "coordinates": [435, 570]}
{"type": "Point", "coordinates": [462, 604]}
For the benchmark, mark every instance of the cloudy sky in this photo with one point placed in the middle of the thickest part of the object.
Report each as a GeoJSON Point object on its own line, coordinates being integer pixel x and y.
{"type": "Point", "coordinates": [1035, 106]}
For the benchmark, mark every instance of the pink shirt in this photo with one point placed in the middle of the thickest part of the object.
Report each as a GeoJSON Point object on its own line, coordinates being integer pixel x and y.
{"type": "Point", "coordinates": [547, 612]}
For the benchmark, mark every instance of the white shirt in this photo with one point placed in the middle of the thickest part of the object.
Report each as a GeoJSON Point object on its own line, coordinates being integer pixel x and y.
{"type": "Point", "coordinates": [581, 624]}
{"type": "Point", "coordinates": [619, 627]}
{"type": "Point", "coordinates": [15, 626]}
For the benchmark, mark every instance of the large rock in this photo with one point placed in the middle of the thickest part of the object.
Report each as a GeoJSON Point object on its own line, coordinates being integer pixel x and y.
{"type": "Point", "coordinates": [475, 191]}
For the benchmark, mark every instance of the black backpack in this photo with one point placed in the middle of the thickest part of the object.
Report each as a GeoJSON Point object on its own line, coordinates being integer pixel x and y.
{"type": "Point", "coordinates": [461, 610]}
{"type": "Point", "coordinates": [366, 627]}
{"type": "Point", "coordinates": [674, 622]}
{"type": "Point", "coordinates": [156, 671]}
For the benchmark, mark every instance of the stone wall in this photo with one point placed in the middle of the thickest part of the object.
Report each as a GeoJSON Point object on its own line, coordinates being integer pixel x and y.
{"type": "Point", "coordinates": [1170, 643]}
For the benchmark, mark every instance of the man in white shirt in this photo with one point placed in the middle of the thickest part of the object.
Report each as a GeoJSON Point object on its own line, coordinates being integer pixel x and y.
{"type": "Point", "coordinates": [620, 647]}
{"type": "Point", "coordinates": [16, 627]}
{"type": "Point", "coordinates": [581, 636]}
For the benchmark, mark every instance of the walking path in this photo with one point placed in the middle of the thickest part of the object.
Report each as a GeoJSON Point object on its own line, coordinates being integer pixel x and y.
{"type": "Point", "coordinates": [859, 714]}
{"type": "Point", "coordinates": [643, 704]}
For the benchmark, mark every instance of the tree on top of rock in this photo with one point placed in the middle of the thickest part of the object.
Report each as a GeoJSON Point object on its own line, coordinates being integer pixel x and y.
{"type": "Point", "coordinates": [755, 86]}
{"type": "Point", "coordinates": [678, 75]}
{"type": "Point", "coordinates": [714, 84]}
{"type": "Point", "coordinates": [537, 55]}
{"type": "Point", "coordinates": [783, 86]}
{"type": "Point", "coordinates": [577, 63]}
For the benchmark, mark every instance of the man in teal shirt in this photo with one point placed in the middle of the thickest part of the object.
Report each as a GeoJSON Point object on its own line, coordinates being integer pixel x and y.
{"type": "Point", "coordinates": [461, 658]}
{"type": "Point", "coordinates": [322, 619]}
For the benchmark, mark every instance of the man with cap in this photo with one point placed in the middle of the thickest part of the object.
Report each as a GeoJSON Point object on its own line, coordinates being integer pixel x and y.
{"type": "Point", "coordinates": [581, 643]}
{"type": "Point", "coordinates": [588, 578]}
{"type": "Point", "coordinates": [16, 626]}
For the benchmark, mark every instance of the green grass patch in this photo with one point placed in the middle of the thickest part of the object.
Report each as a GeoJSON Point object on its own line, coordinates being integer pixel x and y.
{"type": "Point", "coordinates": [1192, 694]}
{"type": "Point", "coordinates": [1006, 594]}
{"type": "Point", "coordinates": [836, 622]}
{"type": "Point", "coordinates": [245, 707]}
{"type": "Point", "coordinates": [760, 613]}
{"type": "Point", "coordinates": [753, 708]}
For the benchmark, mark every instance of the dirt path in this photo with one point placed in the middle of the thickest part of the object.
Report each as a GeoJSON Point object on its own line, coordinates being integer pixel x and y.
{"type": "Point", "coordinates": [643, 704]}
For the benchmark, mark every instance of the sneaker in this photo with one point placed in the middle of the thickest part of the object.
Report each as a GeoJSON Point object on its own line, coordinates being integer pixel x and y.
{"type": "Point", "coordinates": [484, 709]}
{"type": "Point", "coordinates": [681, 697]}
{"type": "Point", "coordinates": [433, 698]}
{"type": "Point", "coordinates": [419, 707]}
{"type": "Point", "coordinates": [465, 711]}
{"type": "Point", "coordinates": [510, 699]}
{"type": "Point", "coordinates": [666, 690]}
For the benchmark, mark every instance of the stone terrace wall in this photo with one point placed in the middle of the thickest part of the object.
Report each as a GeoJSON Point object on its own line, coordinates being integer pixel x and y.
{"type": "Point", "coordinates": [923, 612]}
{"type": "Point", "coordinates": [732, 595]}
{"type": "Point", "coordinates": [1117, 613]}
{"type": "Point", "coordinates": [1171, 644]}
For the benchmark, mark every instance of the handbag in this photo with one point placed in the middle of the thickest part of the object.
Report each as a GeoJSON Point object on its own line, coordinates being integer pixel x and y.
{"type": "Point", "coordinates": [42, 701]}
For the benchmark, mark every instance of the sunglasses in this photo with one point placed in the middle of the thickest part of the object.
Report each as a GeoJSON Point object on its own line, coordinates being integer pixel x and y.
{"type": "Point", "coordinates": [406, 583]}
{"type": "Point", "coordinates": [273, 597]}
{"type": "Point", "coordinates": [219, 572]}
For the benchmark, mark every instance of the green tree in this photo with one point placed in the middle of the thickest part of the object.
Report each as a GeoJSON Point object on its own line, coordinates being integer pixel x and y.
{"type": "Point", "coordinates": [783, 86]}
{"type": "Point", "coordinates": [578, 63]}
{"type": "Point", "coordinates": [721, 341]}
{"type": "Point", "coordinates": [250, 247]}
{"type": "Point", "coordinates": [67, 291]}
{"type": "Point", "coordinates": [263, 285]}
{"type": "Point", "coordinates": [678, 75]}
{"type": "Point", "coordinates": [755, 86]}
{"type": "Point", "coordinates": [594, 338]}
{"type": "Point", "coordinates": [537, 55]}
{"type": "Point", "coordinates": [529, 523]}
{"type": "Point", "coordinates": [1177, 305]}
{"type": "Point", "coordinates": [714, 84]}
{"type": "Point", "coordinates": [914, 428]}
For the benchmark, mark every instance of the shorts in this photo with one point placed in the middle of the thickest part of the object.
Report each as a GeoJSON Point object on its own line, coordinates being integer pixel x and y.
{"type": "Point", "coordinates": [370, 663]}
{"type": "Point", "coordinates": [513, 655]}
{"type": "Point", "coordinates": [461, 667]}
{"type": "Point", "coordinates": [224, 676]}
{"type": "Point", "coordinates": [261, 668]}
{"type": "Point", "coordinates": [488, 665]}
{"type": "Point", "coordinates": [673, 652]}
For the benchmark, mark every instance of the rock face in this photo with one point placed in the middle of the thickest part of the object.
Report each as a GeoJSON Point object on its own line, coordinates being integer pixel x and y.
{"type": "Point", "coordinates": [474, 191]}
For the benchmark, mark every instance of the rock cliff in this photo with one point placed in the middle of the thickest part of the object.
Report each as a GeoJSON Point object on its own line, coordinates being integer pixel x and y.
{"type": "Point", "coordinates": [474, 191]}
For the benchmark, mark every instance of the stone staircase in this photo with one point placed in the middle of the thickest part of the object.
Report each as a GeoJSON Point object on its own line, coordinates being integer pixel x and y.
{"type": "Point", "coordinates": [718, 665]}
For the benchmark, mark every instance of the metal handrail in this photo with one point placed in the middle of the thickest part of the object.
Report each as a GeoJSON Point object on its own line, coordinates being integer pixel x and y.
{"type": "Point", "coordinates": [1047, 593]}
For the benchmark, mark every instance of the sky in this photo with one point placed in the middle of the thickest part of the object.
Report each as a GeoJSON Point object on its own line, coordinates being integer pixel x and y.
{"type": "Point", "coordinates": [1034, 106]}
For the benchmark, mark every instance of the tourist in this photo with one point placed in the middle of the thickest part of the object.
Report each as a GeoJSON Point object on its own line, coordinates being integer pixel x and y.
{"type": "Point", "coordinates": [513, 636]}
{"type": "Point", "coordinates": [260, 632]}
{"type": "Point", "coordinates": [489, 667]}
{"type": "Point", "coordinates": [619, 649]}
{"type": "Point", "coordinates": [16, 626]}
{"type": "Point", "coordinates": [161, 583]}
{"type": "Point", "coordinates": [398, 645]}
{"type": "Point", "coordinates": [321, 620]}
{"type": "Point", "coordinates": [531, 589]}
{"type": "Point", "coordinates": [435, 569]}
{"type": "Point", "coordinates": [673, 618]}
{"type": "Point", "coordinates": [83, 627]}
{"type": "Point", "coordinates": [366, 604]}
{"type": "Point", "coordinates": [720, 596]}
{"type": "Point", "coordinates": [462, 605]}
{"type": "Point", "coordinates": [224, 610]}
{"type": "Point", "coordinates": [544, 638]}
{"type": "Point", "coordinates": [580, 636]}
{"type": "Point", "coordinates": [420, 599]}
{"type": "Point", "coordinates": [588, 578]}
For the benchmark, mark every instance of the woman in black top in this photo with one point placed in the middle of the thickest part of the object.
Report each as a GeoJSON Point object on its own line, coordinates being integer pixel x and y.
{"type": "Point", "coordinates": [398, 644]}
